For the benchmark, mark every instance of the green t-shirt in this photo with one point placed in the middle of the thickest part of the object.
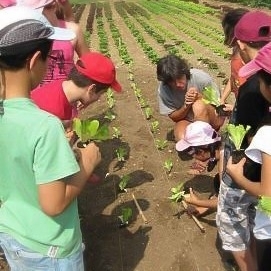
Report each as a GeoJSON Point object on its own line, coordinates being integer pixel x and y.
{"type": "Point", "coordinates": [33, 151]}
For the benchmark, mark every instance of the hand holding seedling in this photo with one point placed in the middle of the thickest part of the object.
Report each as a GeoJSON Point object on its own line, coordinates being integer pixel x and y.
{"type": "Point", "coordinates": [191, 96]}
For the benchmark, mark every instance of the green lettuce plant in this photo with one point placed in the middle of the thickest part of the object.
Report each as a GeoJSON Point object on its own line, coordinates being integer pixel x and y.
{"type": "Point", "coordinates": [236, 134]}
{"type": "Point", "coordinates": [88, 130]}
{"type": "Point", "coordinates": [177, 193]}
{"type": "Point", "coordinates": [210, 96]}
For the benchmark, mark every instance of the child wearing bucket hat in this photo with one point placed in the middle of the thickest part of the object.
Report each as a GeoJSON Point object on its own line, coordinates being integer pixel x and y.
{"type": "Point", "coordinates": [39, 175]}
{"type": "Point", "coordinates": [92, 75]}
{"type": "Point", "coordinates": [259, 151]}
{"type": "Point", "coordinates": [204, 142]}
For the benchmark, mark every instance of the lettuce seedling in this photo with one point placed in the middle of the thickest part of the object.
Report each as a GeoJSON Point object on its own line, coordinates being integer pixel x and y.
{"type": "Point", "coordinates": [116, 132]}
{"type": "Point", "coordinates": [123, 182]}
{"type": "Point", "coordinates": [154, 126]}
{"type": "Point", "coordinates": [121, 154]}
{"type": "Point", "coordinates": [161, 144]}
{"type": "Point", "coordinates": [90, 130]}
{"type": "Point", "coordinates": [126, 214]}
{"type": "Point", "coordinates": [109, 115]}
{"type": "Point", "coordinates": [110, 98]}
{"type": "Point", "coordinates": [210, 96]}
{"type": "Point", "coordinates": [237, 134]}
{"type": "Point", "coordinates": [168, 165]}
{"type": "Point", "coordinates": [148, 112]}
{"type": "Point", "coordinates": [177, 193]}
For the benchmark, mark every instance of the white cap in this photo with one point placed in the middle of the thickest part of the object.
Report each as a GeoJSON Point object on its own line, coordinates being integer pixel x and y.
{"type": "Point", "coordinates": [198, 133]}
{"type": "Point", "coordinates": [18, 16]}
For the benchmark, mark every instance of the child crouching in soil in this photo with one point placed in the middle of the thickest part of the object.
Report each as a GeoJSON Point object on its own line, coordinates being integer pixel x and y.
{"type": "Point", "coordinates": [204, 143]}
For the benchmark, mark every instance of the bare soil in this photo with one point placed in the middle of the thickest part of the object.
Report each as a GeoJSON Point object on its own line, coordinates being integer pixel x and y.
{"type": "Point", "coordinates": [170, 240]}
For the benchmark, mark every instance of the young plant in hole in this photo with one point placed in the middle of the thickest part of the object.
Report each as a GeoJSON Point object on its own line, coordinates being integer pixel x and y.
{"type": "Point", "coordinates": [161, 144]}
{"type": "Point", "coordinates": [116, 132]}
{"type": "Point", "coordinates": [142, 102]}
{"type": "Point", "coordinates": [110, 98]}
{"type": "Point", "coordinates": [138, 92]}
{"type": "Point", "coordinates": [121, 154]}
{"type": "Point", "coordinates": [123, 182]}
{"type": "Point", "coordinates": [168, 165]}
{"type": "Point", "coordinates": [110, 115]}
{"type": "Point", "coordinates": [177, 193]}
{"type": "Point", "coordinates": [154, 126]}
{"type": "Point", "coordinates": [126, 214]}
{"type": "Point", "coordinates": [148, 113]}
{"type": "Point", "coordinates": [88, 130]}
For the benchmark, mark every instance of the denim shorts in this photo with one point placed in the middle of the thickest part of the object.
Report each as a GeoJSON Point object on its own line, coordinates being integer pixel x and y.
{"type": "Point", "coordinates": [21, 258]}
{"type": "Point", "coordinates": [235, 217]}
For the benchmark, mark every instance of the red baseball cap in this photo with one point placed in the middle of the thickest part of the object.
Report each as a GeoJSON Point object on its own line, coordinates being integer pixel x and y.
{"type": "Point", "coordinates": [253, 26]}
{"type": "Point", "coordinates": [100, 68]}
{"type": "Point", "coordinates": [260, 62]}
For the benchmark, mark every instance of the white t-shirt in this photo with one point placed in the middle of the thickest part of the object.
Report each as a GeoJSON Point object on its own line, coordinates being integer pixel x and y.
{"type": "Point", "coordinates": [261, 143]}
{"type": "Point", "coordinates": [170, 100]}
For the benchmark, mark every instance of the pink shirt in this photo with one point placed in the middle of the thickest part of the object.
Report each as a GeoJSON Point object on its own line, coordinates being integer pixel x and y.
{"type": "Point", "coordinates": [51, 98]}
{"type": "Point", "coordinates": [61, 61]}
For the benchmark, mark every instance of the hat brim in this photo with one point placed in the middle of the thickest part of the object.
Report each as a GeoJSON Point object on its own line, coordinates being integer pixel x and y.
{"type": "Point", "coordinates": [249, 69]}
{"type": "Point", "coordinates": [182, 145]}
{"type": "Point", "coordinates": [62, 34]}
{"type": "Point", "coordinates": [116, 86]}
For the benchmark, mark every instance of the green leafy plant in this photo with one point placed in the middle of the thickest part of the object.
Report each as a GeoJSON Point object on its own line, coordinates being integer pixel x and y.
{"type": "Point", "coordinates": [154, 126]}
{"type": "Point", "coordinates": [177, 193]}
{"type": "Point", "coordinates": [138, 92]}
{"type": "Point", "coordinates": [210, 96]}
{"type": "Point", "coordinates": [110, 98]}
{"type": "Point", "coordinates": [237, 134]}
{"type": "Point", "coordinates": [109, 115]}
{"type": "Point", "coordinates": [123, 182]}
{"type": "Point", "coordinates": [126, 214]}
{"type": "Point", "coordinates": [142, 102]}
{"type": "Point", "coordinates": [116, 132]}
{"type": "Point", "coordinates": [148, 112]}
{"type": "Point", "coordinates": [121, 154]}
{"type": "Point", "coordinates": [168, 165]}
{"type": "Point", "coordinates": [90, 130]}
{"type": "Point", "coordinates": [161, 144]}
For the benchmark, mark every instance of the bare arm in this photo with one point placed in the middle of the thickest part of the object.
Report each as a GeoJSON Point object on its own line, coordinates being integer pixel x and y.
{"type": "Point", "coordinates": [55, 197]}
{"type": "Point", "coordinates": [207, 203]}
{"type": "Point", "coordinates": [180, 113]}
{"type": "Point", "coordinates": [226, 92]}
{"type": "Point", "coordinates": [81, 46]}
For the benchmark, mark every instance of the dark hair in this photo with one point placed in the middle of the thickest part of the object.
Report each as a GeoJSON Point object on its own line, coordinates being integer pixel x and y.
{"type": "Point", "coordinates": [212, 149]}
{"type": "Point", "coordinates": [171, 68]}
{"type": "Point", "coordinates": [82, 81]}
{"type": "Point", "coordinates": [17, 61]}
{"type": "Point", "coordinates": [229, 21]}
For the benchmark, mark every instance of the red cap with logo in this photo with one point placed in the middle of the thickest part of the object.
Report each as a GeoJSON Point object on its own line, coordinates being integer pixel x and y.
{"type": "Point", "coordinates": [100, 68]}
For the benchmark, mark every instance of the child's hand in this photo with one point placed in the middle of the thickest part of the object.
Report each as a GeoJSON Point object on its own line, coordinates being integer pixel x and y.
{"type": "Point", "coordinates": [91, 156]}
{"type": "Point", "coordinates": [235, 170]}
{"type": "Point", "coordinates": [192, 199]}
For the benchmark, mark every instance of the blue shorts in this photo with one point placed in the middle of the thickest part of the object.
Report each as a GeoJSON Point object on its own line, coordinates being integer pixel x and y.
{"type": "Point", "coordinates": [21, 258]}
{"type": "Point", "coordinates": [235, 217]}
